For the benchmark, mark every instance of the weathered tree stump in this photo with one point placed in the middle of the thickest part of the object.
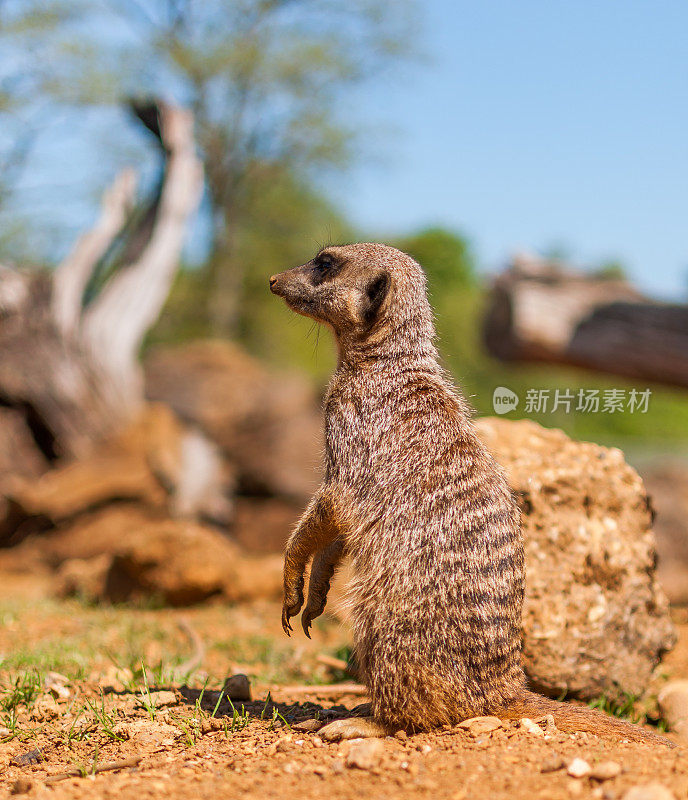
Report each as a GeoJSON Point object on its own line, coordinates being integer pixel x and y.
{"type": "Point", "coordinates": [70, 366]}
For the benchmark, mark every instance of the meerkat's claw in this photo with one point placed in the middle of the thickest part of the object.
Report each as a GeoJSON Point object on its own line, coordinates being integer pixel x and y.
{"type": "Point", "coordinates": [291, 609]}
{"type": "Point", "coordinates": [306, 624]}
{"type": "Point", "coordinates": [353, 728]}
{"type": "Point", "coordinates": [307, 618]}
{"type": "Point", "coordinates": [286, 625]}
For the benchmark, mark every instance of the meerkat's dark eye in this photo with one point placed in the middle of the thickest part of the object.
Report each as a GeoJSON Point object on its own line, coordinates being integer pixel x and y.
{"type": "Point", "coordinates": [324, 262]}
{"type": "Point", "coordinates": [323, 265]}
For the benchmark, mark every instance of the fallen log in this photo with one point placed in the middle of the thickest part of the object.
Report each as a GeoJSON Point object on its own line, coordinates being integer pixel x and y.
{"type": "Point", "coordinates": [540, 311]}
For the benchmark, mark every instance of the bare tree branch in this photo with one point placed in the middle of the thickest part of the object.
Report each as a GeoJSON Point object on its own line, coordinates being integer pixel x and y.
{"type": "Point", "coordinates": [73, 273]}
{"type": "Point", "coordinates": [116, 322]}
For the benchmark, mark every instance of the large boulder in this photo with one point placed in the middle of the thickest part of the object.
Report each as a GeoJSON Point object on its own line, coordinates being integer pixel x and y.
{"type": "Point", "coordinates": [268, 425]}
{"type": "Point", "coordinates": [595, 619]}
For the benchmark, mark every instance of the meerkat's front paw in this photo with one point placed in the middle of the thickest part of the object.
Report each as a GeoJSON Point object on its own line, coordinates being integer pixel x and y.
{"type": "Point", "coordinates": [353, 728]}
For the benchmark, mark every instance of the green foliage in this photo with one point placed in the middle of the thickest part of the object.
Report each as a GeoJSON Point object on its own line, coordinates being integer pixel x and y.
{"type": "Point", "coordinates": [613, 269]}
{"type": "Point", "coordinates": [445, 255]}
{"type": "Point", "coordinates": [624, 709]}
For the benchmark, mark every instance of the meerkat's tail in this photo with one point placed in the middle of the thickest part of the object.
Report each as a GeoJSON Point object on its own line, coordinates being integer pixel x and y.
{"type": "Point", "coordinates": [570, 719]}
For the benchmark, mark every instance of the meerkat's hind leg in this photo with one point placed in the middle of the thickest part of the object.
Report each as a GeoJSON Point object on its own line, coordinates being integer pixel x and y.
{"type": "Point", "coordinates": [354, 728]}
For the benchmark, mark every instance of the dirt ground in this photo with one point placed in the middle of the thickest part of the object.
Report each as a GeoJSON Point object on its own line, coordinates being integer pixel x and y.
{"type": "Point", "coordinates": [84, 687]}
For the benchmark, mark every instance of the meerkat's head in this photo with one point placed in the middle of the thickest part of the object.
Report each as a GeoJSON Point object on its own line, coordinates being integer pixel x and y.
{"type": "Point", "coordinates": [360, 290]}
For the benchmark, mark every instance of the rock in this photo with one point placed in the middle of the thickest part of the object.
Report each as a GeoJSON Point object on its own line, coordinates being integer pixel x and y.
{"type": "Point", "coordinates": [263, 524]}
{"type": "Point", "coordinates": [268, 426]}
{"type": "Point", "coordinates": [673, 703]}
{"type": "Point", "coordinates": [308, 726]}
{"type": "Point", "coordinates": [20, 457]}
{"type": "Point", "coordinates": [552, 764]}
{"type": "Point", "coordinates": [549, 723]}
{"type": "Point", "coordinates": [211, 724]}
{"type": "Point", "coordinates": [118, 469]}
{"type": "Point", "coordinates": [531, 727]}
{"type": "Point", "coordinates": [605, 770]}
{"type": "Point", "coordinates": [21, 786]}
{"type": "Point", "coordinates": [578, 768]}
{"type": "Point", "coordinates": [149, 732]}
{"type": "Point", "coordinates": [82, 577]}
{"type": "Point", "coordinates": [365, 754]}
{"type": "Point", "coordinates": [56, 684]}
{"type": "Point", "coordinates": [477, 726]}
{"type": "Point", "coordinates": [237, 687]}
{"type": "Point", "coordinates": [667, 485]}
{"type": "Point", "coordinates": [595, 619]}
{"type": "Point", "coordinates": [163, 699]}
{"type": "Point", "coordinates": [650, 791]}
{"type": "Point", "coordinates": [124, 553]}
{"type": "Point", "coordinates": [156, 460]}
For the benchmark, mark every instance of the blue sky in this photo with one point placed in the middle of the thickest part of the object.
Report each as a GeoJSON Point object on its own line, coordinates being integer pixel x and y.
{"type": "Point", "coordinates": [539, 124]}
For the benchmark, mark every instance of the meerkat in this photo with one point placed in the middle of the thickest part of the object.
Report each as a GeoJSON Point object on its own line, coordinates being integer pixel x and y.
{"type": "Point", "coordinates": [420, 507]}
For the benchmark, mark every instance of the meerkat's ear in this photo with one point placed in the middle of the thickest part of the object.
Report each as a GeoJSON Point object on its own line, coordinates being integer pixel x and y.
{"type": "Point", "coordinates": [376, 291]}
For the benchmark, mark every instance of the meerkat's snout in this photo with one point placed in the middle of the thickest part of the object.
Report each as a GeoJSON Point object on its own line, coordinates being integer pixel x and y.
{"type": "Point", "coordinates": [293, 286]}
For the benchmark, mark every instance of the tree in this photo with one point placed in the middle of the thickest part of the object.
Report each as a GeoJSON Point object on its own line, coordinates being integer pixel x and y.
{"type": "Point", "coordinates": [265, 80]}
{"type": "Point", "coordinates": [444, 254]}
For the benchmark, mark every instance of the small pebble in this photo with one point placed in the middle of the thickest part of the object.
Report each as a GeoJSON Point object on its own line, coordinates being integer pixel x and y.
{"type": "Point", "coordinates": [162, 699]}
{"type": "Point", "coordinates": [605, 770]}
{"type": "Point", "coordinates": [478, 726]}
{"type": "Point", "coordinates": [552, 764]}
{"type": "Point", "coordinates": [650, 791]}
{"type": "Point", "coordinates": [237, 687]}
{"type": "Point", "coordinates": [55, 683]}
{"type": "Point", "coordinates": [21, 786]}
{"type": "Point", "coordinates": [673, 703]}
{"type": "Point", "coordinates": [308, 725]}
{"type": "Point", "coordinates": [30, 757]}
{"type": "Point", "coordinates": [578, 768]}
{"type": "Point", "coordinates": [531, 727]}
{"type": "Point", "coordinates": [365, 754]}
